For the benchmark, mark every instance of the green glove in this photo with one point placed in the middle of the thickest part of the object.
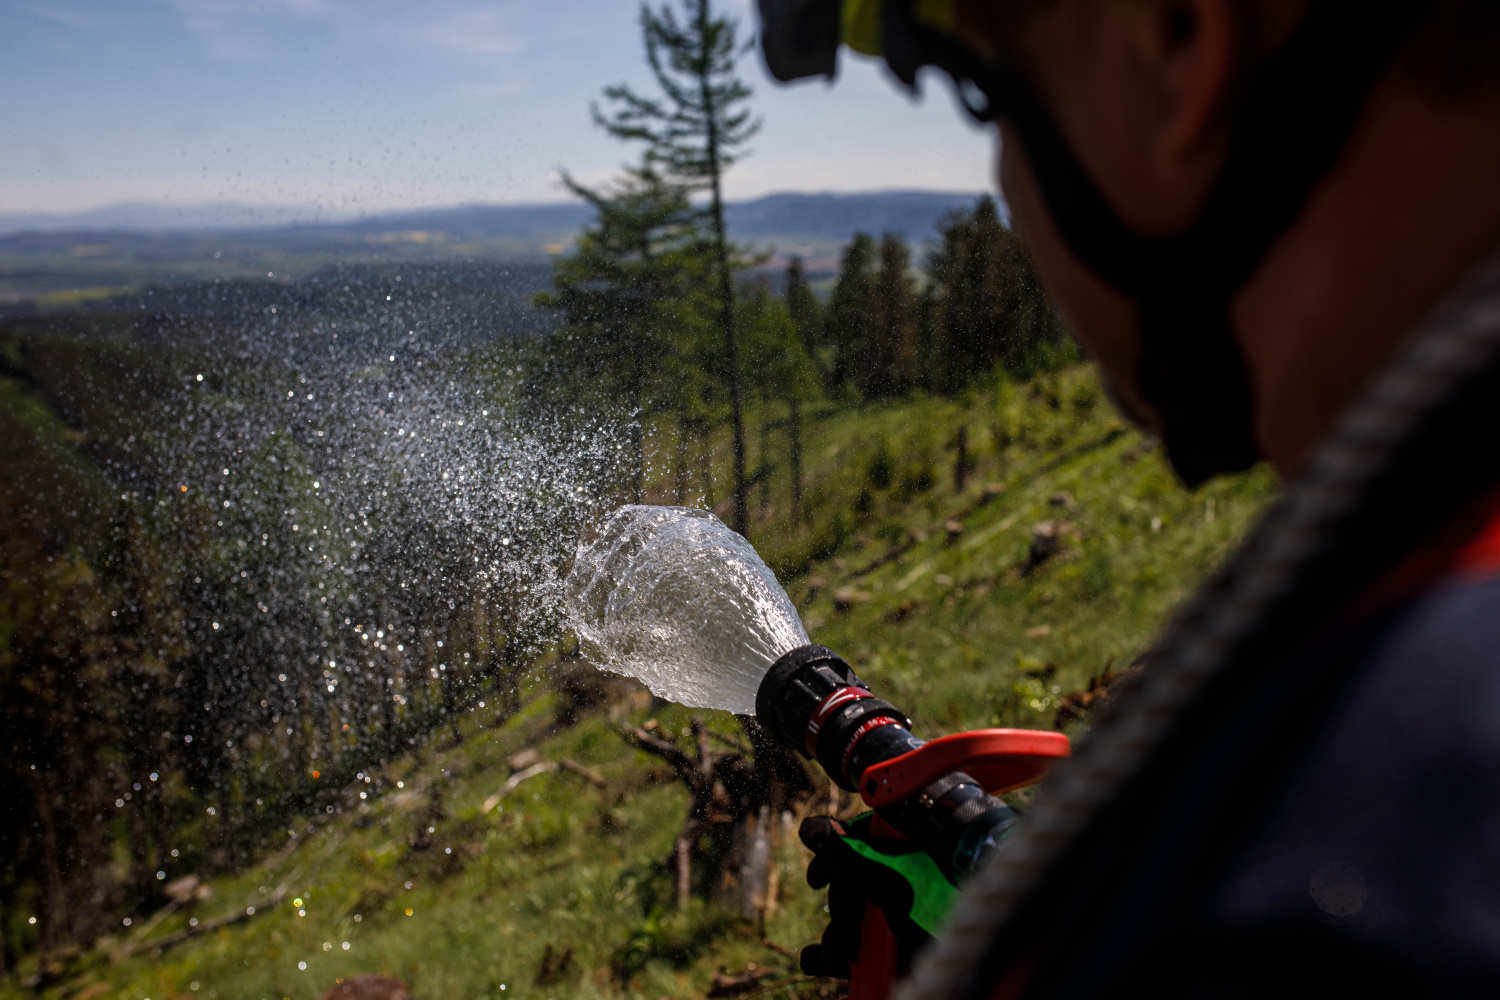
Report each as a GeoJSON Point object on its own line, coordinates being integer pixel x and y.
{"type": "Point", "coordinates": [858, 868]}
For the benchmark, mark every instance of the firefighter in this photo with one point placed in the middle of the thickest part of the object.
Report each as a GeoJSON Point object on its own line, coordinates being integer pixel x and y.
{"type": "Point", "coordinates": [1275, 225]}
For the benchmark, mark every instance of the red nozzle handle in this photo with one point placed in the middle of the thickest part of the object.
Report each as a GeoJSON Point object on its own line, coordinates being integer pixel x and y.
{"type": "Point", "coordinates": [873, 971]}
{"type": "Point", "coordinates": [998, 759]}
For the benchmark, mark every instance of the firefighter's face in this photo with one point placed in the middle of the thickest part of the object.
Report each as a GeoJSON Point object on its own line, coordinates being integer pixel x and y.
{"type": "Point", "coordinates": [1140, 89]}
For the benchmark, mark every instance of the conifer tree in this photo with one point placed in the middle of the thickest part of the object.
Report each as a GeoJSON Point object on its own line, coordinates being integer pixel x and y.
{"type": "Point", "coordinates": [889, 358]}
{"type": "Point", "coordinates": [784, 373]}
{"type": "Point", "coordinates": [848, 324]}
{"type": "Point", "coordinates": [993, 308]}
{"type": "Point", "coordinates": [807, 316]}
{"type": "Point", "coordinates": [804, 308]}
{"type": "Point", "coordinates": [625, 294]}
{"type": "Point", "coordinates": [926, 371]}
{"type": "Point", "coordinates": [695, 132]}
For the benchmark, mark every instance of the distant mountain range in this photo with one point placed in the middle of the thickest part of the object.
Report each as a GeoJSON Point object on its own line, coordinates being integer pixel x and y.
{"type": "Point", "coordinates": [102, 252]}
{"type": "Point", "coordinates": [822, 216]}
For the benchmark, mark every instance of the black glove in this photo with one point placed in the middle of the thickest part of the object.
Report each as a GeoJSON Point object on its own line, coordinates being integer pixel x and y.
{"type": "Point", "coordinates": [895, 875]}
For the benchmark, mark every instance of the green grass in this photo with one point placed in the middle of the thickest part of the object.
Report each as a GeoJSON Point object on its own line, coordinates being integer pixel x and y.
{"type": "Point", "coordinates": [470, 910]}
{"type": "Point", "coordinates": [955, 627]}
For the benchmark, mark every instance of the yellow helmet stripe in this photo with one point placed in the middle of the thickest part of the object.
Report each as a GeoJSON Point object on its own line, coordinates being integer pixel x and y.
{"type": "Point", "coordinates": [861, 21]}
{"type": "Point", "coordinates": [860, 25]}
{"type": "Point", "coordinates": [936, 14]}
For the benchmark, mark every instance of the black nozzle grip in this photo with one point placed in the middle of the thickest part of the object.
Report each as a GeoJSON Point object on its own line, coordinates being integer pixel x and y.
{"type": "Point", "coordinates": [794, 687]}
{"type": "Point", "coordinates": [812, 702]}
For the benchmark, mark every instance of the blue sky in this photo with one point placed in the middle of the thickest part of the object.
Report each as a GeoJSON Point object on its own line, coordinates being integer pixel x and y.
{"type": "Point", "coordinates": [351, 106]}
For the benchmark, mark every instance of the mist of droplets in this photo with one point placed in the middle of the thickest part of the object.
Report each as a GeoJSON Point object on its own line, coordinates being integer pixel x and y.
{"type": "Point", "coordinates": [674, 598]}
{"type": "Point", "coordinates": [383, 505]}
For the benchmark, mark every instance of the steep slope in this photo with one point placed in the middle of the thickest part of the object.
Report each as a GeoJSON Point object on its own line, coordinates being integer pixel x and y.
{"type": "Point", "coordinates": [994, 603]}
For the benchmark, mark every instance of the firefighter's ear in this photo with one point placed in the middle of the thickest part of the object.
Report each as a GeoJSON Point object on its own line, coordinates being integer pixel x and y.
{"type": "Point", "coordinates": [1190, 51]}
{"type": "Point", "coordinates": [1197, 53]}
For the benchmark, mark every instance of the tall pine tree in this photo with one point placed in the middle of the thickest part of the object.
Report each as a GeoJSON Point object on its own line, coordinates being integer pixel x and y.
{"type": "Point", "coordinates": [625, 296]}
{"type": "Point", "coordinates": [847, 327]}
{"type": "Point", "coordinates": [694, 132]}
{"type": "Point", "coordinates": [888, 359]}
{"type": "Point", "coordinates": [993, 309]}
{"type": "Point", "coordinates": [805, 309]}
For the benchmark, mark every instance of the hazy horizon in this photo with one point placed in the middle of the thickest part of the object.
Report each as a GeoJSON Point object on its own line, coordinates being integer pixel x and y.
{"type": "Point", "coordinates": [209, 215]}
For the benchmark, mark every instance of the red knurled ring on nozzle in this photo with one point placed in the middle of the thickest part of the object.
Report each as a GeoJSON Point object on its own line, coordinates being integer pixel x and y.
{"type": "Point", "coordinates": [858, 734]}
{"type": "Point", "coordinates": [831, 703]}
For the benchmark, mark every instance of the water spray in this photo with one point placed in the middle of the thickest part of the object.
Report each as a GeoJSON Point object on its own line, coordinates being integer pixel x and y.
{"type": "Point", "coordinates": [673, 597]}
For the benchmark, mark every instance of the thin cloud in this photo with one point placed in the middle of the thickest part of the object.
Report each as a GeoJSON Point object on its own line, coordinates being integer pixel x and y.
{"type": "Point", "coordinates": [73, 19]}
{"type": "Point", "coordinates": [480, 30]}
{"type": "Point", "coordinates": [491, 91]}
{"type": "Point", "coordinates": [237, 30]}
{"type": "Point", "coordinates": [248, 30]}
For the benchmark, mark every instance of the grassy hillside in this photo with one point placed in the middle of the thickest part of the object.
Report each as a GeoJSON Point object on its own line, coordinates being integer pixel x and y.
{"type": "Point", "coordinates": [1057, 560]}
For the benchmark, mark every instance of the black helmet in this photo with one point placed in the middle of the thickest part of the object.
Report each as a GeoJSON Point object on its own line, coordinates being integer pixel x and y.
{"type": "Point", "coordinates": [1291, 122]}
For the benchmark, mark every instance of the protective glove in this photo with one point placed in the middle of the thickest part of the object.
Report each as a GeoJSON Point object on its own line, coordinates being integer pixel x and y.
{"type": "Point", "coordinates": [895, 875]}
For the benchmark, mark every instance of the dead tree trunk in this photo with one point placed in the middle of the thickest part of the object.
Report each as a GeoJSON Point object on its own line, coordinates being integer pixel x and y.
{"type": "Point", "coordinates": [684, 853]}
{"type": "Point", "coordinates": [755, 877]}
{"type": "Point", "coordinates": [680, 464]}
{"type": "Point", "coordinates": [961, 461]}
{"type": "Point", "coordinates": [795, 428]}
{"type": "Point", "coordinates": [706, 461]}
{"type": "Point", "coordinates": [722, 795]}
{"type": "Point", "coordinates": [764, 472]}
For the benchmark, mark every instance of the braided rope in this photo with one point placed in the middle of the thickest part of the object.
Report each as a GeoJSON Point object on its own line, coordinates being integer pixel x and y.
{"type": "Point", "coordinates": [1460, 338]}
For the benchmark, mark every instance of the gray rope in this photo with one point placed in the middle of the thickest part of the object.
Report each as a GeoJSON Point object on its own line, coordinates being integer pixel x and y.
{"type": "Point", "coordinates": [1461, 337]}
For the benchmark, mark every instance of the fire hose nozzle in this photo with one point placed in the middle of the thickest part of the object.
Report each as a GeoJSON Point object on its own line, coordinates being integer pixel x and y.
{"type": "Point", "coordinates": [811, 702]}
{"type": "Point", "coordinates": [937, 794]}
